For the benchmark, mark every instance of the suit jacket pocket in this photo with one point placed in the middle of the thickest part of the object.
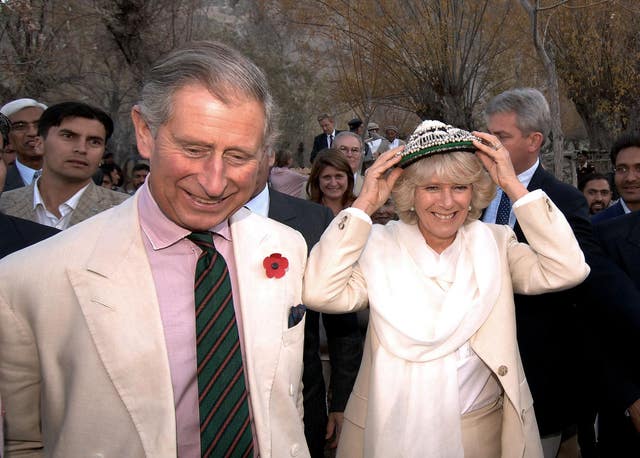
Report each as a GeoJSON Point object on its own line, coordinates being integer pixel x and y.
{"type": "Point", "coordinates": [294, 335]}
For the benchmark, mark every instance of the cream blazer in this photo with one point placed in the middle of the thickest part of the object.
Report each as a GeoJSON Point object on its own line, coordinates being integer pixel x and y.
{"type": "Point", "coordinates": [334, 283]}
{"type": "Point", "coordinates": [83, 361]}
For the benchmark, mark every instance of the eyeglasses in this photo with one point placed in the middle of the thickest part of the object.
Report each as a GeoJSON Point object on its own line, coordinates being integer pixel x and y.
{"type": "Point", "coordinates": [23, 125]}
{"type": "Point", "coordinates": [625, 169]}
{"type": "Point", "coordinates": [346, 150]}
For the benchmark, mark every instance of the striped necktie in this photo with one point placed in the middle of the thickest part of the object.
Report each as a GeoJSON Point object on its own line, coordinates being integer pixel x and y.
{"type": "Point", "coordinates": [504, 209]}
{"type": "Point", "coordinates": [225, 428]}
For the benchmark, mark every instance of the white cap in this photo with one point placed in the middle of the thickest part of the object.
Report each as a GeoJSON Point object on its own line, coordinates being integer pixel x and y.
{"type": "Point", "coordinates": [20, 104]}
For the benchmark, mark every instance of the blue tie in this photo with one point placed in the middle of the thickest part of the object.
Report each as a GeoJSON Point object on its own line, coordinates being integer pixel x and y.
{"type": "Point", "coordinates": [504, 209]}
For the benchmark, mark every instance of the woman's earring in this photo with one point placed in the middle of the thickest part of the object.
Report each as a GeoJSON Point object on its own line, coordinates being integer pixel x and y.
{"type": "Point", "coordinates": [469, 207]}
{"type": "Point", "coordinates": [412, 209]}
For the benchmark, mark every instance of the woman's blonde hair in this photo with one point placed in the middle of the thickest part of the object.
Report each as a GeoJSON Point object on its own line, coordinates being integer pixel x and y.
{"type": "Point", "coordinates": [458, 167]}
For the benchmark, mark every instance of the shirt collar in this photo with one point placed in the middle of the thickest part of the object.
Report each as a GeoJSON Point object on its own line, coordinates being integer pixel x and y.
{"type": "Point", "coordinates": [260, 203]}
{"type": "Point", "coordinates": [160, 230]}
{"type": "Point", "coordinates": [26, 173]}
{"type": "Point", "coordinates": [624, 206]}
{"type": "Point", "coordinates": [525, 177]}
{"type": "Point", "coordinates": [72, 202]}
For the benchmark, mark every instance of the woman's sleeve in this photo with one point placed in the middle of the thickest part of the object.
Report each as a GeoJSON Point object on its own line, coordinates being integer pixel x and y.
{"type": "Point", "coordinates": [333, 281]}
{"type": "Point", "coordinates": [551, 260]}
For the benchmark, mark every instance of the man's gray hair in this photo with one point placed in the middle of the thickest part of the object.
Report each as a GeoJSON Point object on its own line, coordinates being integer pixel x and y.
{"type": "Point", "coordinates": [344, 134]}
{"type": "Point", "coordinates": [223, 71]}
{"type": "Point", "coordinates": [529, 105]}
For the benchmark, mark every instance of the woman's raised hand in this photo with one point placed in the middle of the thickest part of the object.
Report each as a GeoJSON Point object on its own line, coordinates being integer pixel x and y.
{"type": "Point", "coordinates": [378, 183]}
{"type": "Point", "coordinates": [497, 161]}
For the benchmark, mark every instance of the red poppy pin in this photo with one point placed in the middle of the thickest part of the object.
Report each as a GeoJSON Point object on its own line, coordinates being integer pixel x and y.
{"type": "Point", "coordinates": [275, 264]}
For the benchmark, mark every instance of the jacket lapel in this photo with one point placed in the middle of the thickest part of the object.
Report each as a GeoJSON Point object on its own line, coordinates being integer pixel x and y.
{"type": "Point", "coordinates": [87, 205]}
{"type": "Point", "coordinates": [120, 306]}
{"type": "Point", "coordinates": [261, 309]}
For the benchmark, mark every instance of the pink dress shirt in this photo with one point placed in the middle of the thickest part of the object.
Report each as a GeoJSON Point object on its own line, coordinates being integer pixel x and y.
{"type": "Point", "coordinates": [173, 264]}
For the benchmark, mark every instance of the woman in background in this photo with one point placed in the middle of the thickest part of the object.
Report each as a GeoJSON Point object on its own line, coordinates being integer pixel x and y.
{"type": "Point", "coordinates": [331, 181]}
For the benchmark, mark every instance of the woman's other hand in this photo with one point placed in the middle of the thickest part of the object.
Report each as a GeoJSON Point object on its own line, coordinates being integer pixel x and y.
{"type": "Point", "coordinates": [495, 158]}
{"type": "Point", "coordinates": [378, 183]}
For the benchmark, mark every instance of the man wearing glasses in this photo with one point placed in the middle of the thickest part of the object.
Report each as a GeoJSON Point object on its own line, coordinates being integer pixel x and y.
{"type": "Point", "coordinates": [351, 146]}
{"type": "Point", "coordinates": [24, 115]}
{"type": "Point", "coordinates": [625, 157]}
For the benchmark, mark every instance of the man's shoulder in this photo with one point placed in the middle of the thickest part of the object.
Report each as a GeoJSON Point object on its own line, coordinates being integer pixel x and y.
{"type": "Point", "coordinates": [616, 226]}
{"type": "Point", "coordinates": [295, 202]}
{"type": "Point", "coordinates": [74, 244]}
{"type": "Point", "coordinates": [113, 197]}
{"type": "Point", "coordinates": [17, 194]}
{"type": "Point", "coordinates": [18, 233]}
{"type": "Point", "coordinates": [13, 179]}
{"type": "Point", "coordinates": [17, 202]}
{"type": "Point", "coordinates": [613, 211]}
{"type": "Point", "coordinates": [299, 212]}
{"type": "Point", "coordinates": [567, 197]}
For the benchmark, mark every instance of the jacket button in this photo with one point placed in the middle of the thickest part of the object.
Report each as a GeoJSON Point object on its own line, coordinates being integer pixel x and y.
{"type": "Point", "coordinates": [295, 450]}
{"type": "Point", "coordinates": [502, 371]}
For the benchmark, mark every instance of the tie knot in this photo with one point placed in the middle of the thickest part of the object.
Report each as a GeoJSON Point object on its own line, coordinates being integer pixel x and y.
{"type": "Point", "coordinates": [203, 239]}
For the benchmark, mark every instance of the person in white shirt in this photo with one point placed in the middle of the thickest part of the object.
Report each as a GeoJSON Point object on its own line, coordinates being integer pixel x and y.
{"type": "Point", "coordinates": [72, 137]}
{"type": "Point", "coordinates": [391, 133]}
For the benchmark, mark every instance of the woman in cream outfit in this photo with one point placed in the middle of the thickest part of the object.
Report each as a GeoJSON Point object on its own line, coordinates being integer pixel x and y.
{"type": "Point", "coordinates": [441, 375]}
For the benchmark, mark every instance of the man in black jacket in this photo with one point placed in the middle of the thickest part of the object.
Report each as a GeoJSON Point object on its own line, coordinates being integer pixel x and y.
{"type": "Point", "coordinates": [551, 327]}
{"type": "Point", "coordinates": [16, 233]}
{"type": "Point", "coordinates": [343, 335]}
{"type": "Point", "coordinates": [325, 139]}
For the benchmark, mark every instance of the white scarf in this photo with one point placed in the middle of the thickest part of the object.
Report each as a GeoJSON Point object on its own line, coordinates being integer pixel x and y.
{"type": "Point", "coordinates": [413, 406]}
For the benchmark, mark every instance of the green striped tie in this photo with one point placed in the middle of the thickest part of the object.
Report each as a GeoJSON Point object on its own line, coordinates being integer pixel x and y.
{"type": "Point", "coordinates": [225, 429]}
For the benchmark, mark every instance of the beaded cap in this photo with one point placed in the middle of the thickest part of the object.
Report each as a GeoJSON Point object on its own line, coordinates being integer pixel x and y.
{"type": "Point", "coordinates": [435, 137]}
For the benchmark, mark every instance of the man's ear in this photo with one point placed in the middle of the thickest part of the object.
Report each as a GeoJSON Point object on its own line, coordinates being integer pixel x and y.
{"type": "Point", "coordinates": [536, 139]}
{"type": "Point", "coordinates": [144, 137]}
{"type": "Point", "coordinates": [271, 157]}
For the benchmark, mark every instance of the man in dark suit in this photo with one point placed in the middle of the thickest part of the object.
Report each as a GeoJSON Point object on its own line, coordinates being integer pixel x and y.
{"type": "Point", "coordinates": [343, 335]}
{"type": "Point", "coordinates": [619, 418]}
{"type": "Point", "coordinates": [548, 326]}
{"type": "Point", "coordinates": [24, 115]}
{"type": "Point", "coordinates": [325, 139]}
{"type": "Point", "coordinates": [625, 157]}
{"type": "Point", "coordinates": [16, 233]}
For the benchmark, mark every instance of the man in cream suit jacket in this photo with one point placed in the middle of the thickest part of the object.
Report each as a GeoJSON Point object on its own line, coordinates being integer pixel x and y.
{"type": "Point", "coordinates": [98, 358]}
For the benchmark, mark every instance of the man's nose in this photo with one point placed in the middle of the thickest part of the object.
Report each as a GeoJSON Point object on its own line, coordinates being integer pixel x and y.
{"type": "Point", "coordinates": [212, 176]}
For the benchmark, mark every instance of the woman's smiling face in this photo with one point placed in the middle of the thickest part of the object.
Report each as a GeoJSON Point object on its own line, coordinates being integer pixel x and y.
{"type": "Point", "coordinates": [441, 208]}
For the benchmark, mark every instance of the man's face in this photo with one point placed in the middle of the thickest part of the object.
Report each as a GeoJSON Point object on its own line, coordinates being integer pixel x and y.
{"type": "Point", "coordinates": [391, 134]}
{"type": "Point", "coordinates": [350, 148]}
{"type": "Point", "coordinates": [627, 176]}
{"type": "Point", "coordinates": [327, 125]}
{"type": "Point", "coordinates": [138, 178]}
{"type": "Point", "coordinates": [24, 130]}
{"type": "Point", "coordinates": [73, 149]}
{"type": "Point", "coordinates": [205, 158]}
{"type": "Point", "coordinates": [522, 148]}
{"type": "Point", "coordinates": [598, 195]}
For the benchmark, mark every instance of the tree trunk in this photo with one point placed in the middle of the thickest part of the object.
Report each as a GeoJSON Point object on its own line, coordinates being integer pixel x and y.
{"type": "Point", "coordinates": [557, 136]}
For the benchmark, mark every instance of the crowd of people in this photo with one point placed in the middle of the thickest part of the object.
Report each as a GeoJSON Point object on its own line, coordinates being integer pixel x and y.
{"type": "Point", "coordinates": [181, 306]}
